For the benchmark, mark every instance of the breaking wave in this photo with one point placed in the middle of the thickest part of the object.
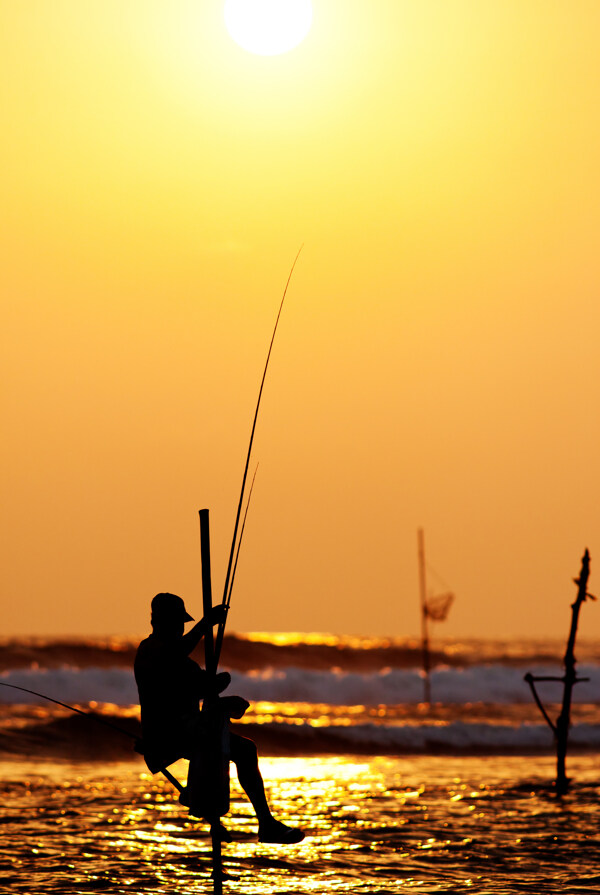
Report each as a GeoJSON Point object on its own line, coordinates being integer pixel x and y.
{"type": "Point", "coordinates": [78, 738]}
{"type": "Point", "coordinates": [309, 695]}
{"type": "Point", "coordinates": [486, 684]}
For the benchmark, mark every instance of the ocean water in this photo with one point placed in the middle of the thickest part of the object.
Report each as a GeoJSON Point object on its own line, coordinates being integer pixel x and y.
{"type": "Point", "coordinates": [393, 796]}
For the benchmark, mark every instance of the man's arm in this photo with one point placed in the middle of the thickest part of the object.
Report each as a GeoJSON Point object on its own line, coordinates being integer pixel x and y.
{"type": "Point", "coordinates": [193, 637]}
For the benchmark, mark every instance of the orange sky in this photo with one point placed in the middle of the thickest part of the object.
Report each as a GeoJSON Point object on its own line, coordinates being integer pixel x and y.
{"type": "Point", "coordinates": [437, 362]}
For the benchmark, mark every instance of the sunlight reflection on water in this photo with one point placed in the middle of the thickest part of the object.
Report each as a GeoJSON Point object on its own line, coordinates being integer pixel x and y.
{"type": "Point", "coordinates": [373, 825]}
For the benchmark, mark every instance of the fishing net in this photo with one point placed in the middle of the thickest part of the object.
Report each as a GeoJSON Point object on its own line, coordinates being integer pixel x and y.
{"type": "Point", "coordinates": [437, 608]}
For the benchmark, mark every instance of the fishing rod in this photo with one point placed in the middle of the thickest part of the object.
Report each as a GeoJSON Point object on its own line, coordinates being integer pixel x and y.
{"type": "Point", "coordinates": [232, 553]}
{"type": "Point", "coordinates": [99, 720]}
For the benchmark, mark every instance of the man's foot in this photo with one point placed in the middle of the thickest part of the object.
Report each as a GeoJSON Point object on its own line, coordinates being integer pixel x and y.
{"type": "Point", "coordinates": [276, 832]}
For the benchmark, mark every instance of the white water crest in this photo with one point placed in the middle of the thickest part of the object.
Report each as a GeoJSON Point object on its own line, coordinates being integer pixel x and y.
{"type": "Point", "coordinates": [490, 684]}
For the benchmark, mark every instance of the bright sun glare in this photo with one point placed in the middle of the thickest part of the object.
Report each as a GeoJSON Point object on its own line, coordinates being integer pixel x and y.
{"type": "Point", "coordinates": [268, 27]}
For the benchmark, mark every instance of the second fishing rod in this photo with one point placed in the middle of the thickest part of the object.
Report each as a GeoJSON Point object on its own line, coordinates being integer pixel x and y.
{"type": "Point", "coordinates": [237, 532]}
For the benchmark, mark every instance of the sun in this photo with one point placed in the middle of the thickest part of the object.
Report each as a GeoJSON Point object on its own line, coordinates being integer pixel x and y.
{"type": "Point", "coordinates": [268, 27]}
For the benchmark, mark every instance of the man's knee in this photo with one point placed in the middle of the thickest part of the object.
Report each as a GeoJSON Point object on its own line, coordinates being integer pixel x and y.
{"type": "Point", "coordinates": [243, 751]}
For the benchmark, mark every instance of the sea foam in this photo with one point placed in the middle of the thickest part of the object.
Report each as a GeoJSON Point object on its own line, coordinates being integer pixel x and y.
{"type": "Point", "coordinates": [492, 684]}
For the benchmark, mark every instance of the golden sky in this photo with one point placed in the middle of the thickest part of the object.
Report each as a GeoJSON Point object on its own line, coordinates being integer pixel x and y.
{"type": "Point", "coordinates": [437, 362]}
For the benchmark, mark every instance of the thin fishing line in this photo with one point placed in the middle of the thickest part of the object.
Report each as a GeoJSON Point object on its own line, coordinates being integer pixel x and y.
{"type": "Point", "coordinates": [65, 705]}
{"type": "Point", "coordinates": [99, 720]}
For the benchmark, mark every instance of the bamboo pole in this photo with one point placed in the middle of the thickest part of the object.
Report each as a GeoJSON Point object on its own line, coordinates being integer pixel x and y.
{"type": "Point", "coordinates": [563, 721]}
{"type": "Point", "coordinates": [214, 817]}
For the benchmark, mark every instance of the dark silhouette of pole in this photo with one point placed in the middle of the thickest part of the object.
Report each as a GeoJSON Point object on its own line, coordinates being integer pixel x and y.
{"type": "Point", "coordinates": [216, 800]}
{"type": "Point", "coordinates": [563, 721]}
{"type": "Point", "coordinates": [424, 626]}
{"type": "Point", "coordinates": [209, 649]}
{"type": "Point", "coordinates": [560, 729]}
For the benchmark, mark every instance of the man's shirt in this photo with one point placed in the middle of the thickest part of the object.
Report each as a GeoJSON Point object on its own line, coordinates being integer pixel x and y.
{"type": "Point", "coordinates": [170, 686]}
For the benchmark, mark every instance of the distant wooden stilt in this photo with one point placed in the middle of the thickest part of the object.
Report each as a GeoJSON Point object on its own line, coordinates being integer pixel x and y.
{"type": "Point", "coordinates": [435, 609]}
{"type": "Point", "coordinates": [560, 729]}
{"type": "Point", "coordinates": [424, 617]}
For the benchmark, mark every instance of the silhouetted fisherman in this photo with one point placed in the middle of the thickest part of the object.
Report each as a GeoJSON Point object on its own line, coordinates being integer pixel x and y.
{"type": "Point", "coordinates": [171, 686]}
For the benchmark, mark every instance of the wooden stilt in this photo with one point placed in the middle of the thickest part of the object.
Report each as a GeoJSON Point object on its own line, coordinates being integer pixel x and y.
{"type": "Point", "coordinates": [561, 728]}
{"type": "Point", "coordinates": [424, 626]}
{"type": "Point", "coordinates": [215, 773]}
{"type": "Point", "coordinates": [563, 721]}
{"type": "Point", "coordinates": [217, 858]}
{"type": "Point", "coordinates": [209, 649]}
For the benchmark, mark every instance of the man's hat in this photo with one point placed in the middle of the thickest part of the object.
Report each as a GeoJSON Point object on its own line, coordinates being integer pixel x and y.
{"type": "Point", "coordinates": [170, 606]}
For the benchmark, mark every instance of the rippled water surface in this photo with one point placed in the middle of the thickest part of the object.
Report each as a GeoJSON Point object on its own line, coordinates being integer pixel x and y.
{"type": "Point", "coordinates": [378, 825]}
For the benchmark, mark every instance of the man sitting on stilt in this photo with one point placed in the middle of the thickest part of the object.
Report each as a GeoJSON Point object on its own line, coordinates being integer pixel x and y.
{"type": "Point", "coordinates": [171, 686]}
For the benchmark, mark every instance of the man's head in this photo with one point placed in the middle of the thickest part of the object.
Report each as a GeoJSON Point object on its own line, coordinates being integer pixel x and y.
{"type": "Point", "coordinates": [169, 613]}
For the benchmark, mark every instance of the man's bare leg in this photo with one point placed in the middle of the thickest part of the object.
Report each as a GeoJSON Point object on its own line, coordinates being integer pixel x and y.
{"type": "Point", "coordinates": [245, 757]}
